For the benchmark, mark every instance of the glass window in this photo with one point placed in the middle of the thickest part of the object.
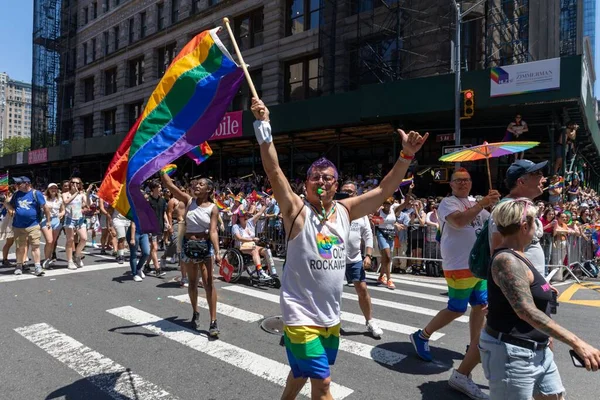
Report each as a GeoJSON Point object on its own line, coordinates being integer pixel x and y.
{"type": "Point", "coordinates": [249, 29]}
{"type": "Point", "coordinates": [165, 57]}
{"type": "Point", "coordinates": [136, 72]}
{"type": "Point", "coordinates": [85, 54]}
{"type": "Point", "coordinates": [116, 37]}
{"type": "Point", "coordinates": [160, 16]}
{"type": "Point", "coordinates": [243, 98]}
{"type": "Point", "coordinates": [303, 79]}
{"type": "Point", "coordinates": [110, 81]}
{"type": "Point", "coordinates": [195, 6]}
{"type": "Point", "coordinates": [143, 24]}
{"type": "Point", "coordinates": [106, 5]}
{"type": "Point", "coordinates": [134, 111]}
{"type": "Point", "coordinates": [86, 15]}
{"type": "Point", "coordinates": [88, 89]}
{"type": "Point", "coordinates": [95, 10]}
{"type": "Point", "coordinates": [131, 30]}
{"type": "Point", "coordinates": [302, 15]}
{"type": "Point", "coordinates": [174, 11]}
{"type": "Point", "coordinates": [88, 126]}
{"type": "Point", "coordinates": [106, 43]}
{"type": "Point", "coordinates": [110, 122]}
{"type": "Point", "coordinates": [93, 49]}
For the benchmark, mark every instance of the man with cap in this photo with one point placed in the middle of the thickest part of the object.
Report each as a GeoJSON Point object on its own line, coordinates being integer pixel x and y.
{"type": "Point", "coordinates": [524, 178]}
{"type": "Point", "coordinates": [29, 207]}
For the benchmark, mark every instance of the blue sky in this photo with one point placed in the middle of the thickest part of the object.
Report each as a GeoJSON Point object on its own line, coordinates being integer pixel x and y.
{"type": "Point", "coordinates": [16, 27]}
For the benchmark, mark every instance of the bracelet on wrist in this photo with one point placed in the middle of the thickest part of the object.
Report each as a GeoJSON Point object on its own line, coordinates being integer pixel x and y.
{"type": "Point", "coordinates": [405, 156]}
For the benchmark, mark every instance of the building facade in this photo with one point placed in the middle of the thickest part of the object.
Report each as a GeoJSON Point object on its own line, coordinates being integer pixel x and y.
{"type": "Point", "coordinates": [15, 108]}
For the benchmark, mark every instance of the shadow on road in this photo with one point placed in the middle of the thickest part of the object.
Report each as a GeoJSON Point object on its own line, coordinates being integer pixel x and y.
{"type": "Point", "coordinates": [443, 359]}
{"type": "Point", "coordinates": [433, 390]}
{"type": "Point", "coordinates": [100, 387]}
{"type": "Point", "coordinates": [184, 323]}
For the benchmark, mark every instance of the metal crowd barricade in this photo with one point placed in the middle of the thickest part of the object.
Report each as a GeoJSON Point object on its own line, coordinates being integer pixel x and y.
{"type": "Point", "coordinates": [564, 253]}
{"type": "Point", "coordinates": [417, 251]}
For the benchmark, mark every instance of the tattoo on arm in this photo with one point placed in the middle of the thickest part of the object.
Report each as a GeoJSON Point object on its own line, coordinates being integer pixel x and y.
{"type": "Point", "coordinates": [510, 274]}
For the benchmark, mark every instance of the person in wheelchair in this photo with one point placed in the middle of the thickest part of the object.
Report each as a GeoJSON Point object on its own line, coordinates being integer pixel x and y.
{"type": "Point", "coordinates": [244, 233]}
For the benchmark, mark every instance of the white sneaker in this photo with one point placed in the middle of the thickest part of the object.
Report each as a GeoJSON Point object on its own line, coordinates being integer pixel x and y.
{"type": "Point", "coordinates": [46, 264]}
{"type": "Point", "coordinates": [141, 274]}
{"type": "Point", "coordinates": [79, 262]}
{"type": "Point", "coordinates": [374, 329]}
{"type": "Point", "coordinates": [137, 278]}
{"type": "Point", "coordinates": [71, 265]}
{"type": "Point", "coordinates": [18, 271]}
{"type": "Point", "coordinates": [465, 384]}
{"type": "Point", "coordinates": [263, 277]}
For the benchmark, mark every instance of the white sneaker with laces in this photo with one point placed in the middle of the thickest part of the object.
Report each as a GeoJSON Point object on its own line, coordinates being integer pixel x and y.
{"type": "Point", "coordinates": [141, 274]}
{"type": "Point", "coordinates": [465, 384]}
{"type": "Point", "coordinates": [374, 329]}
{"type": "Point", "coordinates": [262, 276]}
{"type": "Point", "coordinates": [137, 278]}
{"type": "Point", "coordinates": [71, 265]}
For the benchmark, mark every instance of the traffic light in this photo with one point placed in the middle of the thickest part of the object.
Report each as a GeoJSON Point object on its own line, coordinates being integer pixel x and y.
{"type": "Point", "coordinates": [468, 103]}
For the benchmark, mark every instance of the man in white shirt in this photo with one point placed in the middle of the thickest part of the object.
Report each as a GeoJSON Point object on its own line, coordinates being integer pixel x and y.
{"type": "Point", "coordinates": [460, 218]}
{"type": "Point", "coordinates": [360, 230]}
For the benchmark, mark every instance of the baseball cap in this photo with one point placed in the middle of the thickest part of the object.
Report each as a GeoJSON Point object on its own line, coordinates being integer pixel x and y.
{"type": "Point", "coordinates": [520, 168]}
{"type": "Point", "coordinates": [50, 185]}
{"type": "Point", "coordinates": [21, 179]}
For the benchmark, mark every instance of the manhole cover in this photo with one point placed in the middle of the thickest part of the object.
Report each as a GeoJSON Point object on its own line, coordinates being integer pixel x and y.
{"type": "Point", "coordinates": [273, 325]}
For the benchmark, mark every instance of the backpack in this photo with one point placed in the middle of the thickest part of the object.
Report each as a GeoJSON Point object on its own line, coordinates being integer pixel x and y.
{"type": "Point", "coordinates": [480, 255]}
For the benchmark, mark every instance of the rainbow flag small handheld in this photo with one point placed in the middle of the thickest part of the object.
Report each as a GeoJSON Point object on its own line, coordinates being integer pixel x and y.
{"type": "Point", "coordinates": [4, 182]}
{"type": "Point", "coordinates": [169, 169]}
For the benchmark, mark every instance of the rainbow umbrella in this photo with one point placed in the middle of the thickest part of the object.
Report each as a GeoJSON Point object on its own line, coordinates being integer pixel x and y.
{"type": "Point", "coordinates": [487, 151]}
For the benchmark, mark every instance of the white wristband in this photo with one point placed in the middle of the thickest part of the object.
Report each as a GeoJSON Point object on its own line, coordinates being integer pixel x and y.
{"type": "Point", "coordinates": [262, 130]}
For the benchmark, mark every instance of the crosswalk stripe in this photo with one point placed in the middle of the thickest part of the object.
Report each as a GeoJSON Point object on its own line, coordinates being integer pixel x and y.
{"type": "Point", "coordinates": [411, 282]}
{"type": "Point", "coordinates": [62, 271]}
{"type": "Point", "coordinates": [379, 355]}
{"type": "Point", "coordinates": [407, 293]}
{"type": "Point", "coordinates": [263, 367]}
{"type": "Point", "coordinates": [223, 309]}
{"type": "Point", "coordinates": [349, 317]}
{"type": "Point", "coordinates": [92, 365]}
{"type": "Point", "coordinates": [403, 307]}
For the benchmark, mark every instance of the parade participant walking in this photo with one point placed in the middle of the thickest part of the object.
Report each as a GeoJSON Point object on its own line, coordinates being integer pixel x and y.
{"type": "Point", "coordinates": [385, 233]}
{"type": "Point", "coordinates": [514, 345]}
{"type": "Point", "coordinates": [201, 238]}
{"type": "Point", "coordinates": [159, 205]}
{"type": "Point", "coordinates": [75, 200]}
{"type": "Point", "coordinates": [175, 213]}
{"type": "Point", "coordinates": [313, 277]}
{"type": "Point", "coordinates": [135, 239]}
{"type": "Point", "coordinates": [118, 229]}
{"type": "Point", "coordinates": [360, 231]}
{"type": "Point", "coordinates": [525, 179]}
{"type": "Point", "coordinates": [57, 212]}
{"type": "Point", "coordinates": [460, 218]}
{"type": "Point", "coordinates": [29, 206]}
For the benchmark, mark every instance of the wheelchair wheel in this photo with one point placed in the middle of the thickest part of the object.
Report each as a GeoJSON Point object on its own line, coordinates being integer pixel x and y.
{"type": "Point", "coordinates": [234, 257]}
{"type": "Point", "coordinates": [276, 283]}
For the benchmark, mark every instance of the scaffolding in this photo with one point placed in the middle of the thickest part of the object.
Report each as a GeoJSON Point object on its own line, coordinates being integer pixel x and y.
{"type": "Point", "coordinates": [507, 32]}
{"type": "Point", "coordinates": [46, 69]}
{"type": "Point", "coordinates": [568, 28]}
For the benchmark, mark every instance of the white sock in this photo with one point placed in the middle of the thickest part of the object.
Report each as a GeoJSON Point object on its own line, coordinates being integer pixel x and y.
{"type": "Point", "coordinates": [120, 252]}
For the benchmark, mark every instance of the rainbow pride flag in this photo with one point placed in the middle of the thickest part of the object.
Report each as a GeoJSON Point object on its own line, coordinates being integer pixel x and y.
{"type": "Point", "coordinates": [169, 169]}
{"type": "Point", "coordinates": [4, 182]}
{"type": "Point", "coordinates": [201, 153]}
{"type": "Point", "coordinates": [406, 182]}
{"type": "Point", "coordinates": [184, 110]}
{"type": "Point", "coordinates": [220, 205]}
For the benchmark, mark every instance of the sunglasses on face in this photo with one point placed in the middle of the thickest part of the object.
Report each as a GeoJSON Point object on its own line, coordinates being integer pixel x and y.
{"type": "Point", "coordinates": [318, 177]}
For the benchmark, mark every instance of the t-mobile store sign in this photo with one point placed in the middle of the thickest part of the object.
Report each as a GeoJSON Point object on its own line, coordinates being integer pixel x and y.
{"type": "Point", "coordinates": [230, 127]}
{"type": "Point", "coordinates": [38, 156]}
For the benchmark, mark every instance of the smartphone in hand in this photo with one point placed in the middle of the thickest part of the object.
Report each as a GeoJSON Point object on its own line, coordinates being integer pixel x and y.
{"type": "Point", "coordinates": [577, 361]}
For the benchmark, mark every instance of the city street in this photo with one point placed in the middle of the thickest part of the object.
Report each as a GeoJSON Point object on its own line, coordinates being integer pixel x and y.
{"type": "Point", "coordinates": [95, 334]}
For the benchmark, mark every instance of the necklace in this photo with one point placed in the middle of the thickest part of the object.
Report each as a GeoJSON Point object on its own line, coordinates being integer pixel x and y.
{"type": "Point", "coordinates": [323, 216]}
{"type": "Point", "coordinates": [463, 203]}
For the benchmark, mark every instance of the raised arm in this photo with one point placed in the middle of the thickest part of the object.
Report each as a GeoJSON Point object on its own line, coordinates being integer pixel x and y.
{"type": "Point", "coordinates": [289, 202]}
{"type": "Point", "coordinates": [366, 203]}
{"type": "Point", "coordinates": [177, 193]}
{"type": "Point", "coordinates": [511, 276]}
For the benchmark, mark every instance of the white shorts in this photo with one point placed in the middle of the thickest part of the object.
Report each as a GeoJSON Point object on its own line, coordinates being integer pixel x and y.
{"type": "Point", "coordinates": [121, 228]}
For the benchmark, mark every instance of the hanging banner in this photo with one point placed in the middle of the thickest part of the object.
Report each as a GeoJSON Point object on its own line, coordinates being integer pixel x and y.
{"type": "Point", "coordinates": [37, 156]}
{"type": "Point", "coordinates": [230, 127]}
{"type": "Point", "coordinates": [524, 78]}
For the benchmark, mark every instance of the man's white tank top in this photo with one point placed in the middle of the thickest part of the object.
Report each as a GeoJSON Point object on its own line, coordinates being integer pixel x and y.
{"type": "Point", "coordinates": [313, 276]}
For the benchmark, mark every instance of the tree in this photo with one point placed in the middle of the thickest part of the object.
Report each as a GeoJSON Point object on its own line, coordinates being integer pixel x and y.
{"type": "Point", "coordinates": [15, 144]}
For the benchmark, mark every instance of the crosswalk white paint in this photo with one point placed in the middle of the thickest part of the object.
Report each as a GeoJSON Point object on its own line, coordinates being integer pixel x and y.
{"type": "Point", "coordinates": [401, 306]}
{"type": "Point", "coordinates": [262, 367]}
{"type": "Point", "coordinates": [407, 293]}
{"type": "Point", "coordinates": [377, 354]}
{"type": "Point", "coordinates": [349, 317]}
{"type": "Point", "coordinates": [223, 309]}
{"type": "Point", "coordinates": [110, 377]}
{"type": "Point", "coordinates": [62, 271]}
{"type": "Point", "coordinates": [397, 280]}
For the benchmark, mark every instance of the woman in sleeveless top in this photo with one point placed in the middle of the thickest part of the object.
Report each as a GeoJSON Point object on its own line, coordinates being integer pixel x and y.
{"type": "Point", "coordinates": [201, 219]}
{"type": "Point", "coordinates": [75, 200]}
{"type": "Point", "coordinates": [514, 345]}
{"type": "Point", "coordinates": [57, 212]}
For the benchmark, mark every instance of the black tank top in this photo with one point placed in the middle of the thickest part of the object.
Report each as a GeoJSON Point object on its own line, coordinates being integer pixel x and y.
{"type": "Point", "coordinates": [501, 316]}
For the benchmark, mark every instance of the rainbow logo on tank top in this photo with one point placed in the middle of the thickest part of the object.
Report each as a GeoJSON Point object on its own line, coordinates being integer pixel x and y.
{"type": "Point", "coordinates": [325, 244]}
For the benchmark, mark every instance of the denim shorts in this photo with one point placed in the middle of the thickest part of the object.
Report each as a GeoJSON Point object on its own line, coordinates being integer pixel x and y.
{"type": "Point", "coordinates": [74, 223]}
{"type": "Point", "coordinates": [186, 259]}
{"type": "Point", "coordinates": [383, 242]}
{"type": "Point", "coordinates": [355, 272]}
{"type": "Point", "coordinates": [54, 223]}
{"type": "Point", "coordinates": [517, 373]}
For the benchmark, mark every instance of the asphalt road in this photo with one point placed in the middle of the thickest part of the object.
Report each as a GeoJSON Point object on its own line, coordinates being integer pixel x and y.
{"type": "Point", "coordinates": [95, 334]}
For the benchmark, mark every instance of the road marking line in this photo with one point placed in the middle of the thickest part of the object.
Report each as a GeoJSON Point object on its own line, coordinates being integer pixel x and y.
{"type": "Point", "coordinates": [223, 309]}
{"type": "Point", "coordinates": [376, 354]}
{"type": "Point", "coordinates": [402, 306]}
{"type": "Point", "coordinates": [349, 317]}
{"type": "Point", "coordinates": [92, 365]}
{"type": "Point", "coordinates": [411, 282]}
{"type": "Point", "coordinates": [62, 271]}
{"type": "Point", "coordinates": [255, 364]}
{"type": "Point", "coordinates": [407, 293]}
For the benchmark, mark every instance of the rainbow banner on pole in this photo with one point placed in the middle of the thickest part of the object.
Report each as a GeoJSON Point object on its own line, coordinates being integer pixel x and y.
{"type": "Point", "coordinates": [184, 110]}
{"type": "Point", "coordinates": [4, 182]}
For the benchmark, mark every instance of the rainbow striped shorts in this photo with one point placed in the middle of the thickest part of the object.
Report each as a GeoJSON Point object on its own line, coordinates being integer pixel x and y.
{"type": "Point", "coordinates": [464, 289]}
{"type": "Point", "coordinates": [311, 350]}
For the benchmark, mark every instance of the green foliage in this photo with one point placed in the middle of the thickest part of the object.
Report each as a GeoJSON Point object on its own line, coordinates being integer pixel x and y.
{"type": "Point", "coordinates": [14, 145]}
